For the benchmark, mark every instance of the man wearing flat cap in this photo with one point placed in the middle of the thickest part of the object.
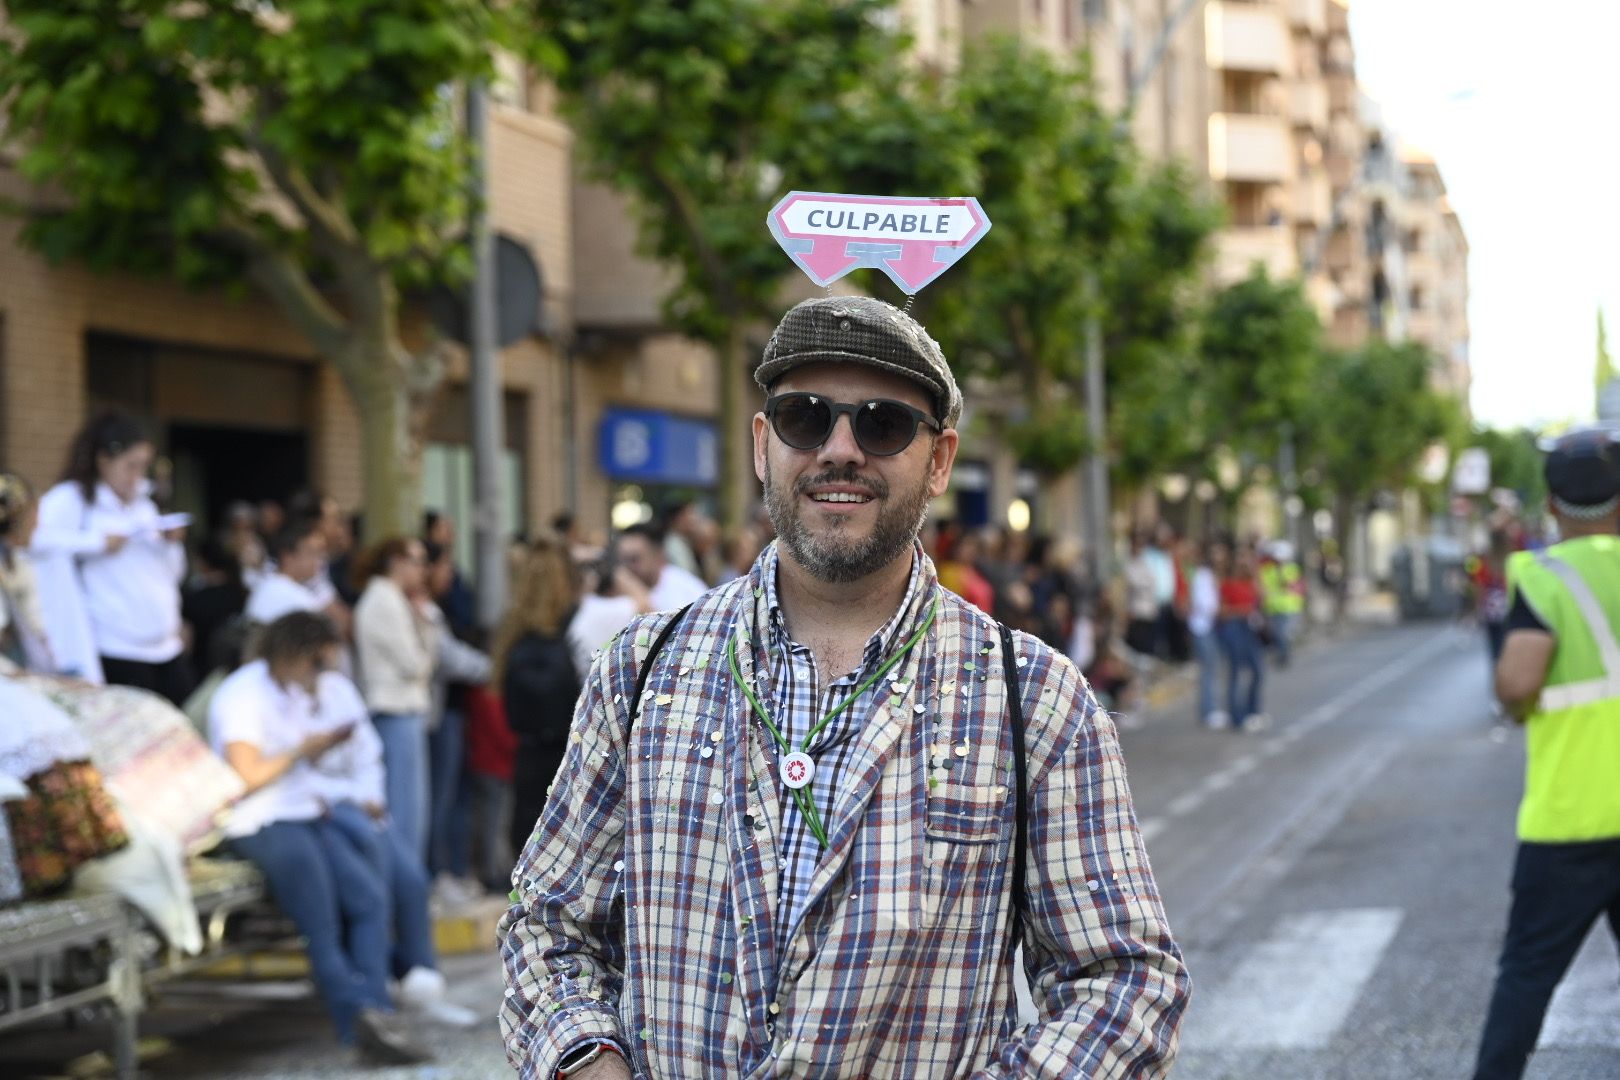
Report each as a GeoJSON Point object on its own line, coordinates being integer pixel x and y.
{"type": "Point", "coordinates": [804, 823]}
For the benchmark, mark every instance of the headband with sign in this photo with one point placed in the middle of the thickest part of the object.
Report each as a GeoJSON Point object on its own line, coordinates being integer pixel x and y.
{"type": "Point", "coordinates": [912, 240]}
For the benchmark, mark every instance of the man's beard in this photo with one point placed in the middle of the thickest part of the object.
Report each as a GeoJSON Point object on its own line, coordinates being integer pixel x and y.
{"type": "Point", "coordinates": [836, 557]}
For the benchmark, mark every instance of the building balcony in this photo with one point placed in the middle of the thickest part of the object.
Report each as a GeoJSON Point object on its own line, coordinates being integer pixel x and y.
{"type": "Point", "coordinates": [1249, 148]}
{"type": "Point", "coordinates": [1239, 250]}
{"type": "Point", "coordinates": [1309, 15]}
{"type": "Point", "coordinates": [1308, 104]}
{"type": "Point", "coordinates": [1245, 37]}
{"type": "Point", "coordinates": [1312, 198]}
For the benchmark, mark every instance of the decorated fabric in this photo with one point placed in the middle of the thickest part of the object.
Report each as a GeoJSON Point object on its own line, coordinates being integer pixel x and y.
{"type": "Point", "coordinates": [66, 820]}
{"type": "Point", "coordinates": [36, 733]}
{"type": "Point", "coordinates": [647, 900]}
{"type": "Point", "coordinates": [152, 758]}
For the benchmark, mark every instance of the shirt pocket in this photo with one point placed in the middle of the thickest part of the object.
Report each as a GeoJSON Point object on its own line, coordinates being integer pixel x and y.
{"type": "Point", "coordinates": [963, 838]}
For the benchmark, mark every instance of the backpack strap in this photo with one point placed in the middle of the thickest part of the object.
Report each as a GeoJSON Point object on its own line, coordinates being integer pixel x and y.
{"type": "Point", "coordinates": [1015, 717]}
{"type": "Point", "coordinates": [647, 665]}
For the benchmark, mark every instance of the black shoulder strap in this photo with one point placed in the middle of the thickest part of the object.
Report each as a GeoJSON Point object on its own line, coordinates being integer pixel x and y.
{"type": "Point", "coordinates": [647, 665]}
{"type": "Point", "coordinates": [1015, 717]}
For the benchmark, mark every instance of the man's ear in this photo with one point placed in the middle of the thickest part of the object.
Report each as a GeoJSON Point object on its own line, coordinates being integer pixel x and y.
{"type": "Point", "coordinates": [761, 434]}
{"type": "Point", "coordinates": [940, 461]}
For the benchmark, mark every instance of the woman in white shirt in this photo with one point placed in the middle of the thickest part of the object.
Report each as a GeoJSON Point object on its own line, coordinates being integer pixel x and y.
{"type": "Point", "coordinates": [264, 720]}
{"type": "Point", "coordinates": [396, 647]}
{"type": "Point", "coordinates": [110, 565]}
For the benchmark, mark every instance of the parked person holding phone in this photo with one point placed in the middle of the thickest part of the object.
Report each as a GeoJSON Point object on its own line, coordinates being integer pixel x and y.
{"type": "Point", "coordinates": [265, 721]}
{"type": "Point", "coordinates": [111, 565]}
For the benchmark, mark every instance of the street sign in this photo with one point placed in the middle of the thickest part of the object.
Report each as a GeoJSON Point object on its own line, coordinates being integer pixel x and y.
{"type": "Point", "coordinates": [657, 448]}
{"type": "Point", "coordinates": [913, 240]}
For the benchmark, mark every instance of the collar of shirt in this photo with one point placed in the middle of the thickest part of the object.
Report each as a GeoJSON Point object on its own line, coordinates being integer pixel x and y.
{"type": "Point", "coordinates": [879, 645]}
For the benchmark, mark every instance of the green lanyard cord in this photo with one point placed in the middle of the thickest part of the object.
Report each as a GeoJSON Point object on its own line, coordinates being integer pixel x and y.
{"type": "Point", "coordinates": [807, 805]}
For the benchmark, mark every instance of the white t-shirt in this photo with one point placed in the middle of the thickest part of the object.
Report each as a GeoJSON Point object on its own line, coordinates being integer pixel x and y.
{"type": "Point", "coordinates": [1205, 601]}
{"type": "Point", "coordinates": [277, 594]}
{"type": "Point", "coordinates": [593, 626]}
{"type": "Point", "coordinates": [352, 771]}
{"type": "Point", "coordinates": [251, 707]}
{"type": "Point", "coordinates": [132, 596]}
{"type": "Point", "coordinates": [676, 588]}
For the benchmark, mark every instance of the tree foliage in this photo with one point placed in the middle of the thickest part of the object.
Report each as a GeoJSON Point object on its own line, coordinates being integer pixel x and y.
{"type": "Point", "coordinates": [1083, 227]}
{"type": "Point", "coordinates": [302, 146]}
{"type": "Point", "coordinates": [1516, 462]}
{"type": "Point", "coordinates": [1372, 413]}
{"type": "Point", "coordinates": [1258, 357]}
{"type": "Point", "coordinates": [705, 112]}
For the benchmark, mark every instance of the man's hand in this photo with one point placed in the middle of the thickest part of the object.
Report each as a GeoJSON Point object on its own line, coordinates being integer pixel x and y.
{"type": "Point", "coordinates": [115, 543]}
{"type": "Point", "coordinates": [175, 535]}
{"type": "Point", "coordinates": [374, 810]}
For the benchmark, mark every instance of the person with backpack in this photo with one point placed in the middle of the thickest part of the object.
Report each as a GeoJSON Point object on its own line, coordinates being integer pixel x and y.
{"type": "Point", "coordinates": [802, 825]}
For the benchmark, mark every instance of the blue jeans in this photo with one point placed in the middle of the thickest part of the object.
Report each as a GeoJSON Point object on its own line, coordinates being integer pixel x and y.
{"type": "Point", "coordinates": [404, 739]}
{"type": "Point", "coordinates": [1208, 652]}
{"type": "Point", "coordinates": [1559, 891]}
{"type": "Point", "coordinates": [1242, 648]}
{"type": "Point", "coordinates": [335, 897]}
{"type": "Point", "coordinates": [448, 821]}
{"type": "Point", "coordinates": [1282, 632]}
{"type": "Point", "coordinates": [407, 882]}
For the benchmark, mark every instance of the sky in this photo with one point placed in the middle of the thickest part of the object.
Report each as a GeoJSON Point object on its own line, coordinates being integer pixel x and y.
{"type": "Point", "coordinates": [1519, 103]}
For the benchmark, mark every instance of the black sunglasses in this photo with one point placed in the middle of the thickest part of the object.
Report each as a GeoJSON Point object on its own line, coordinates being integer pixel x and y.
{"type": "Point", "coordinates": [882, 427]}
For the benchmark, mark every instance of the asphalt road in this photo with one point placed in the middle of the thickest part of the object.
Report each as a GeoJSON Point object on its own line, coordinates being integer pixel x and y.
{"type": "Point", "coordinates": [1339, 884]}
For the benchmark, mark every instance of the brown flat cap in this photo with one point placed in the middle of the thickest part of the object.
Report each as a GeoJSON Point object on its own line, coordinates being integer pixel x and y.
{"type": "Point", "coordinates": [861, 330]}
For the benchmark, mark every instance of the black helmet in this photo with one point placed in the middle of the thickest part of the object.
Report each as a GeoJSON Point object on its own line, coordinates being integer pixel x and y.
{"type": "Point", "coordinates": [1583, 471]}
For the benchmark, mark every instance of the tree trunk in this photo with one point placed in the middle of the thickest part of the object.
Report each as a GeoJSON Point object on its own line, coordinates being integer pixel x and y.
{"type": "Point", "coordinates": [391, 421]}
{"type": "Point", "coordinates": [1343, 530]}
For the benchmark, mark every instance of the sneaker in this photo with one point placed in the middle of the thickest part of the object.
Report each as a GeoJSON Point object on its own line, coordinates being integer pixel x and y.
{"type": "Point", "coordinates": [382, 1039]}
{"type": "Point", "coordinates": [1217, 720]}
{"type": "Point", "coordinates": [421, 987]}
{"type": "Point", "coordinates": [1256, 722]}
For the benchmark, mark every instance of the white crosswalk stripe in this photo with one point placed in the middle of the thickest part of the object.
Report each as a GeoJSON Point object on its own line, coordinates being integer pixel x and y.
{"type": "Point", "coordinates": [1295, 989]}
{"type": "Point", "coordinates": [1585, 1010]}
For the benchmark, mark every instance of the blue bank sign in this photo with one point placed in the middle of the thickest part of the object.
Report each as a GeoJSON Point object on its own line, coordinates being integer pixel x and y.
{"type": "Point", "coordinates": [657, 448]}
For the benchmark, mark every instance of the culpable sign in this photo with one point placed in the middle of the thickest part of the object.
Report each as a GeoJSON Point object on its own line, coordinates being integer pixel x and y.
{"type": "Point", "coordinates": [913, 240]}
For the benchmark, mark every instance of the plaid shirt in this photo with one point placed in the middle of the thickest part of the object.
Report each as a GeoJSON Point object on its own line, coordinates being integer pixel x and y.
{"type": "Point", "coordinates": [647, 901]}
{"type": "Point", "coordinates": [796, 706]}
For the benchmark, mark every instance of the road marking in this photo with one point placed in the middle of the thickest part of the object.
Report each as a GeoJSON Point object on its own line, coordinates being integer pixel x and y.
{"type": "Point", "coordinates": [1331, 709]}
{"type": "Point", "coordinates": [1294, 990]}
{"type": "Point", "coordinates": [1150, 828]}
{"type": "Point", "coordinates": [1585, 1010]}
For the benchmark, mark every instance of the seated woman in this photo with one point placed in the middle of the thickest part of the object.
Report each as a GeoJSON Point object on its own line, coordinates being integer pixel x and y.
{"type": "Point", "coordinates": [262, 722]}
{"type": "Point", "coordinates": [348, 779]}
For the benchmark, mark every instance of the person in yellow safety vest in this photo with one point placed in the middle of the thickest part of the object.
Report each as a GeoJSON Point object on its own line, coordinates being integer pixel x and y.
{"type": "Point", "coordinates": [1282, 592]}
{"type": "Point", "coordinates": [1559, 674]}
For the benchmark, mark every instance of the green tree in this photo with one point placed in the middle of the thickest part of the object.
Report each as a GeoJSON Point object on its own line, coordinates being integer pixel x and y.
{"type": "Point", "coordinates": [1368, 420]}
{"type": "Point", "coordinates": [1259, 355]}
{"type": "Point", "coordinates": [302, 147]}
{"type": "Point", "coordinates": [1516, 463]}
{"type": "Point", "coordinates": [1082, 225]}
{"type": "Point", "coordinates": [1152, 294]}
{"type": "Point", "coordinates": [705, 112]}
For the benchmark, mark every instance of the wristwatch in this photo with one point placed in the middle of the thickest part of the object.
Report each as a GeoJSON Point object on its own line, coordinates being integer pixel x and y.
{"type": "Point", "coordinates": [575, 1061]}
